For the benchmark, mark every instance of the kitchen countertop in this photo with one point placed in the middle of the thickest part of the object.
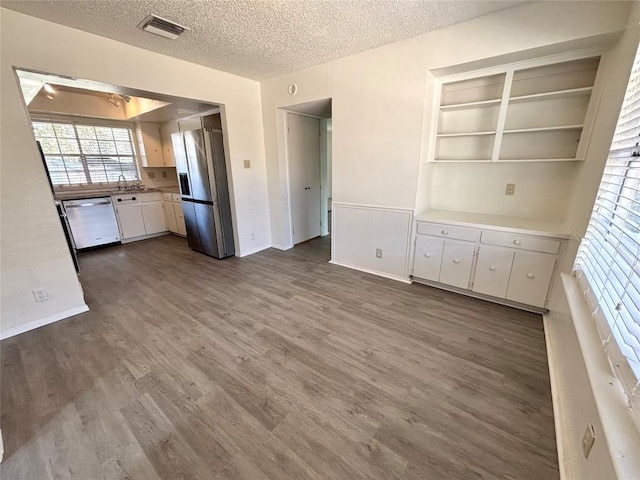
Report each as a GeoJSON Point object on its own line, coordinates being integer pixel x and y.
{"type": "Point", "coordinates": [79, 195]}
{"type": "Point", "coordinates": [546, 228]}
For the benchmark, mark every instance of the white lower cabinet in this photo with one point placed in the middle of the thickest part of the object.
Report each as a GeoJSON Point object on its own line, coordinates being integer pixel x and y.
{"type": "Point", "coordinates": [457, 260]}
{"type": "Point", "coordinates": [428, 258]}
{"type": "Point", "coordinates": [181, 226]}
{"type": "Point", "coordinates": [173, 214]}
{"type": "Point", "coordinates": [530, 278]}
{"type": "Point", "coordinates": [513, 267]}
{"type": "Point", "coordinates": [130, 220]}
{"type": "Point", "coordinates": [493, 270]}
{"type": "Point", "coordinates": [153, 216]}
{"type": "Point", "coordinates": [170, 216]}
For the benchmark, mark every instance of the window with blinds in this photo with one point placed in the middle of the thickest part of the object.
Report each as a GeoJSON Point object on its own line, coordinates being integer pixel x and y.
{"type": "Point", "coordinates": [608, 261]}
{"type": "Point", "coordinates": [78, 154]}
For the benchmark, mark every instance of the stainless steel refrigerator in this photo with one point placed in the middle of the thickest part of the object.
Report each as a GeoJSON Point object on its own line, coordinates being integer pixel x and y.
{"type": "Point", "coordinates": [202, 175]}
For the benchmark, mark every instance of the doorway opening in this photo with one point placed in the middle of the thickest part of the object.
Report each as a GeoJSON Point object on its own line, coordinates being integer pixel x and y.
{"type": "Point", "coordinates": [309, 162]}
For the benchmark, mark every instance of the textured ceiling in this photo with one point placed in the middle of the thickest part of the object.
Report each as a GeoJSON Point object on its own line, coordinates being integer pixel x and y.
{"type": "Point", "coordinates": [261, 38]}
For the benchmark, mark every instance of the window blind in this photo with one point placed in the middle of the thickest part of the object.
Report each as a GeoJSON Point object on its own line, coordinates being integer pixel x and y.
{"type": "Point", "coordinates": [608, 262]}
{"type": "Point", "coordinates": [78, 154]}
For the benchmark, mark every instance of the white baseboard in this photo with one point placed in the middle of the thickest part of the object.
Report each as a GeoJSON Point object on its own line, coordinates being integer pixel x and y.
{"type": "Point", "coordinates": [25, 327]}
{"type": "Point", "coordinates": [145, 237]}
{"type": "Point", "coordinates": [252, 251]}
{"type": "Point", "coordinates": [373, 272]}
{"type": "Point", "coordinates": [282, 247]}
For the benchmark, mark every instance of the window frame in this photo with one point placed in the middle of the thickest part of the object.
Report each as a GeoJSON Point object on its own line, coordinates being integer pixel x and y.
{"type": "Point", "coordinates": [90, 122]}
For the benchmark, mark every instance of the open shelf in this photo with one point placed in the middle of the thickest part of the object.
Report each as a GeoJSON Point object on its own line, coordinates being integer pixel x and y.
{"type": "Point", "coordinates": [544, 129]}
{"type": "Point", "coordinates": [484, 103]}
{"type": "Point", "coordinates": [465, 134]}
{"type": "Point", "coordinates": [473, 90]}
{"type": "Point", "coordinates": [559, 93]}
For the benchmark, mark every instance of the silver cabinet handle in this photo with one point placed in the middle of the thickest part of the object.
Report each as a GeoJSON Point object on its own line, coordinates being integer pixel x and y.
{"type": "Point", "coordinates": [530, 275]}
{"type": "Point", "coordinates": [492, 268]}
{"type": "Point", "coordinates": [427, 255]}
{"type": "Point", "coordinates": [445, 232]}
{"type": "Point", "coordinates": [516, 242]}
{"type": "Point", "coordinates": [456, 260]}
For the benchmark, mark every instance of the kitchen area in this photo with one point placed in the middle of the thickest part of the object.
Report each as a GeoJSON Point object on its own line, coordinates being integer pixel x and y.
{"type": "Point", "coordinates": [126, 168]}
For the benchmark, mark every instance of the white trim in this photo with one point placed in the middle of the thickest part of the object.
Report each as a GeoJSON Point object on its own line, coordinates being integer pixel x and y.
{"type": "Point", "coordinates": [145, 237]}
{"type": "Point", "coordinates": [620, 430]}
{"type": "Point", "coordinates": [246, 253]}
{"type": "Point", "coordinates": [559, 419]}
{"type": "Point", "coordinates": [282, 247]}
{"type": "Point", "coordinates": [25, 327]}
{"type": "Point", "coordinates": [373, 272]}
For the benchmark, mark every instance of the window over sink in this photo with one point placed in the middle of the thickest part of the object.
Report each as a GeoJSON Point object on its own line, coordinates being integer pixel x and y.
{"type": "Point", "coordinates": [86, 154]}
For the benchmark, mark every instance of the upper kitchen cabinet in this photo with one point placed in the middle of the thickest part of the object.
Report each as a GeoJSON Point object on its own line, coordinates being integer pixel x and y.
{"type": "Point", "coordinates": [166, 129]}
{"type": "Point", "coordinates": [150, 144]}
{"type": "Point", "coordinates": [531, 111]}
{"type": "Point", "coordinates": [155, 145]}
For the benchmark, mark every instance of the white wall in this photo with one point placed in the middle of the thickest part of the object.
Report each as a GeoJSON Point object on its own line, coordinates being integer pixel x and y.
{"type": "Point", "coordinates": [380, 114]}
{"type": "Point", "coordinates": [34, 252]}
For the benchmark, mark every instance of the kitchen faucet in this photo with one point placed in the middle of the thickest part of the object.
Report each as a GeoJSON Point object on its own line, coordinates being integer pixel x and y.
{"type": "Point", "coordinates": [126, 185]}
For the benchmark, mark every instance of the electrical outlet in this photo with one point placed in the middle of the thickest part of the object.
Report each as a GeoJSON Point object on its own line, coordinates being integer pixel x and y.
{"type": "Point", "coordinates": [164, 174]}
{"type": "Point", "coordinates": [40, 295]}
{"type": "Point", "coordinates": [588, 440]}
{"type": "Point", "coordinates": [151, 174]}
{"type": "Point", "coordinates": [253, 236]}
{"type": "Point", "coordinates": [378, 253]}
{"type": "Point", "coordinates": [247, 164]}
{"type": "Point", "coordinates": [511, 189]}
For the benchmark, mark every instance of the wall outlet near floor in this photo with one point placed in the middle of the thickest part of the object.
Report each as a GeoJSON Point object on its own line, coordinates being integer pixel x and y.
{"type": "Point", "coordinates": [378, 253]}
{"type": "Point", "coordinates": [247, 164]}
{"type": "Point", "coordinates": [253, 236]}
{"type": "Point", "coordinates": [511, 189]}
{"type": "Point", "coordinates": [588, 440]}
{"type": "Point", "coordinates": [40, 294]}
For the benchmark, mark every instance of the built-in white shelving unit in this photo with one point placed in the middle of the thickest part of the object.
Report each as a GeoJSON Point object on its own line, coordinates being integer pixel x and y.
{"type": "Point", "coordinates": [533, 111]}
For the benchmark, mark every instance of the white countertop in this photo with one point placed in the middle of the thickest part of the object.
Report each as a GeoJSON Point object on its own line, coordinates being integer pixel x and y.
{"type": "Point", "coordinates": [528, 226]}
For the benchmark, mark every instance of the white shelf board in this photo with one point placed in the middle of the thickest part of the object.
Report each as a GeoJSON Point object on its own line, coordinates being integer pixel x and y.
{"type": "Point", "coordinates": [545, 129]}
{"type": "Point", "coordinates": [466, 134]}
{"type": "Point", "coordinates": [455, 160]}
{"type": "Point", "coordinates": [558, 93]}
{"type": "Point", "coordinates": [521, 160]}
{"type": "Point", "coordinates": [483, 103]}
{"type": "Point", "coordinates": [529, 226]}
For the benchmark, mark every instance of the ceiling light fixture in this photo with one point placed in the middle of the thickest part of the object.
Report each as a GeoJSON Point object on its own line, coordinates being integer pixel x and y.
{"type": "Point", "coordinates": [163, 27]}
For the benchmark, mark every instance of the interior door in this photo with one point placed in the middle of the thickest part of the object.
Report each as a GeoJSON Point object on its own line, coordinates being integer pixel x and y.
{"type": "Point", "coordinates": [303, 144]}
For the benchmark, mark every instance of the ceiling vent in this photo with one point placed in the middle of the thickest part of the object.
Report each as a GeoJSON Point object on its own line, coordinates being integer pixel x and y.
{"type": "Point", "coordinates": [162, 26]}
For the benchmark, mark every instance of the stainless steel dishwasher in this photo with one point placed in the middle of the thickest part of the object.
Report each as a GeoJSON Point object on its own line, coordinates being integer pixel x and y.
{"type": "Point", "coordinates": [93, 221]}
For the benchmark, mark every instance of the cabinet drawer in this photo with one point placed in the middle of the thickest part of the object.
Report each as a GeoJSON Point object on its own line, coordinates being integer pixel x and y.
{"type": "Point", "coordinates": [167, 197]}
{"type": "Point", "coordinates": [522, 242]}
{"type": "Point", "coordinates": [427, 258]}
{"type": "Point", "coordinates": [176, 197]}
{"type": "Point", "coordinates": [150, 197]}
{"type": "Point", "coordinates": [447, 231]}
{"type": "Point", "coordinates": [530, 278]}
{"type": "Point", "coordinates": [457, 258]}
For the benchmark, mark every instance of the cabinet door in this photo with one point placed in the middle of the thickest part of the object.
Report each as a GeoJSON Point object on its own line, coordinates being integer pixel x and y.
{"type": "Point", "coordinates": [493, 270]}
{"type": "Point", "coordinates": [457, 258]}
{"type": "Point", "coordinates": [170, 216]}
{"type": "Point", "coordinates": [530, 278]}
{"type": "Point", "coordinates": [167, 145]}
{"type": "Point", "coordinates": [153, 216]}
{"type": "Point", "coordinates": [427, 258]}
{"type": "Point", "coordinates": [150, 145]}
{"type": "Point", "coordinates": [182, 228]}
{"type": "Point", "coordinates": [130, 220]}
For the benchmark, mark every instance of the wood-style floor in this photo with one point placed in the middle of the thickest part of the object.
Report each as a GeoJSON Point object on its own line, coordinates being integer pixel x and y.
{"type": "Point", "coordinates": [274, 366]}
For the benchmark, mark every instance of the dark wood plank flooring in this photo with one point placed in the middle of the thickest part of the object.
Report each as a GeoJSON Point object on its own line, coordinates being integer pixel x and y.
{"type": "Point", "coordinates": [275, 366]}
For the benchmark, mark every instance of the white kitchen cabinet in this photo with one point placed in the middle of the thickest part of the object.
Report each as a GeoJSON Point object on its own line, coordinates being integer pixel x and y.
{"type": "Point", "coordinates": [153, 217]}
{"type": "Point", "coordinates": [130, 219]}
{"type": "Point", "coordinates": [182, 227]}
{"type": "Point", "coordinates": [166, 129]}
{"type": "Point", "coordinates": [489, 260]}
{"type": "Point", "coordinates": [530, 277]}
{"type": "Point", "coordinates": [150, 144]}
{"type": "Point", "coordinates": [170, 216]}
{"type": "Point", "coordinates": [428, 258]}
{"type": "Point", "coordinates": [493, 269]}
{"type": "Point", "coordinates": [457, 260]}
{"type": "Point", "coordinates": [172, 204]}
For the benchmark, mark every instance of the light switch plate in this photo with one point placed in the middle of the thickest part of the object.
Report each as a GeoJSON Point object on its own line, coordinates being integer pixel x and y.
{"type": "Point", "coordinates": [588, 440]}
{"type": "Point", "coordinates": [247, 164]}
{"type": "Point", "coordinates": [378, 253]}
{"type": "Point", "coordinates": [511, 189]}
